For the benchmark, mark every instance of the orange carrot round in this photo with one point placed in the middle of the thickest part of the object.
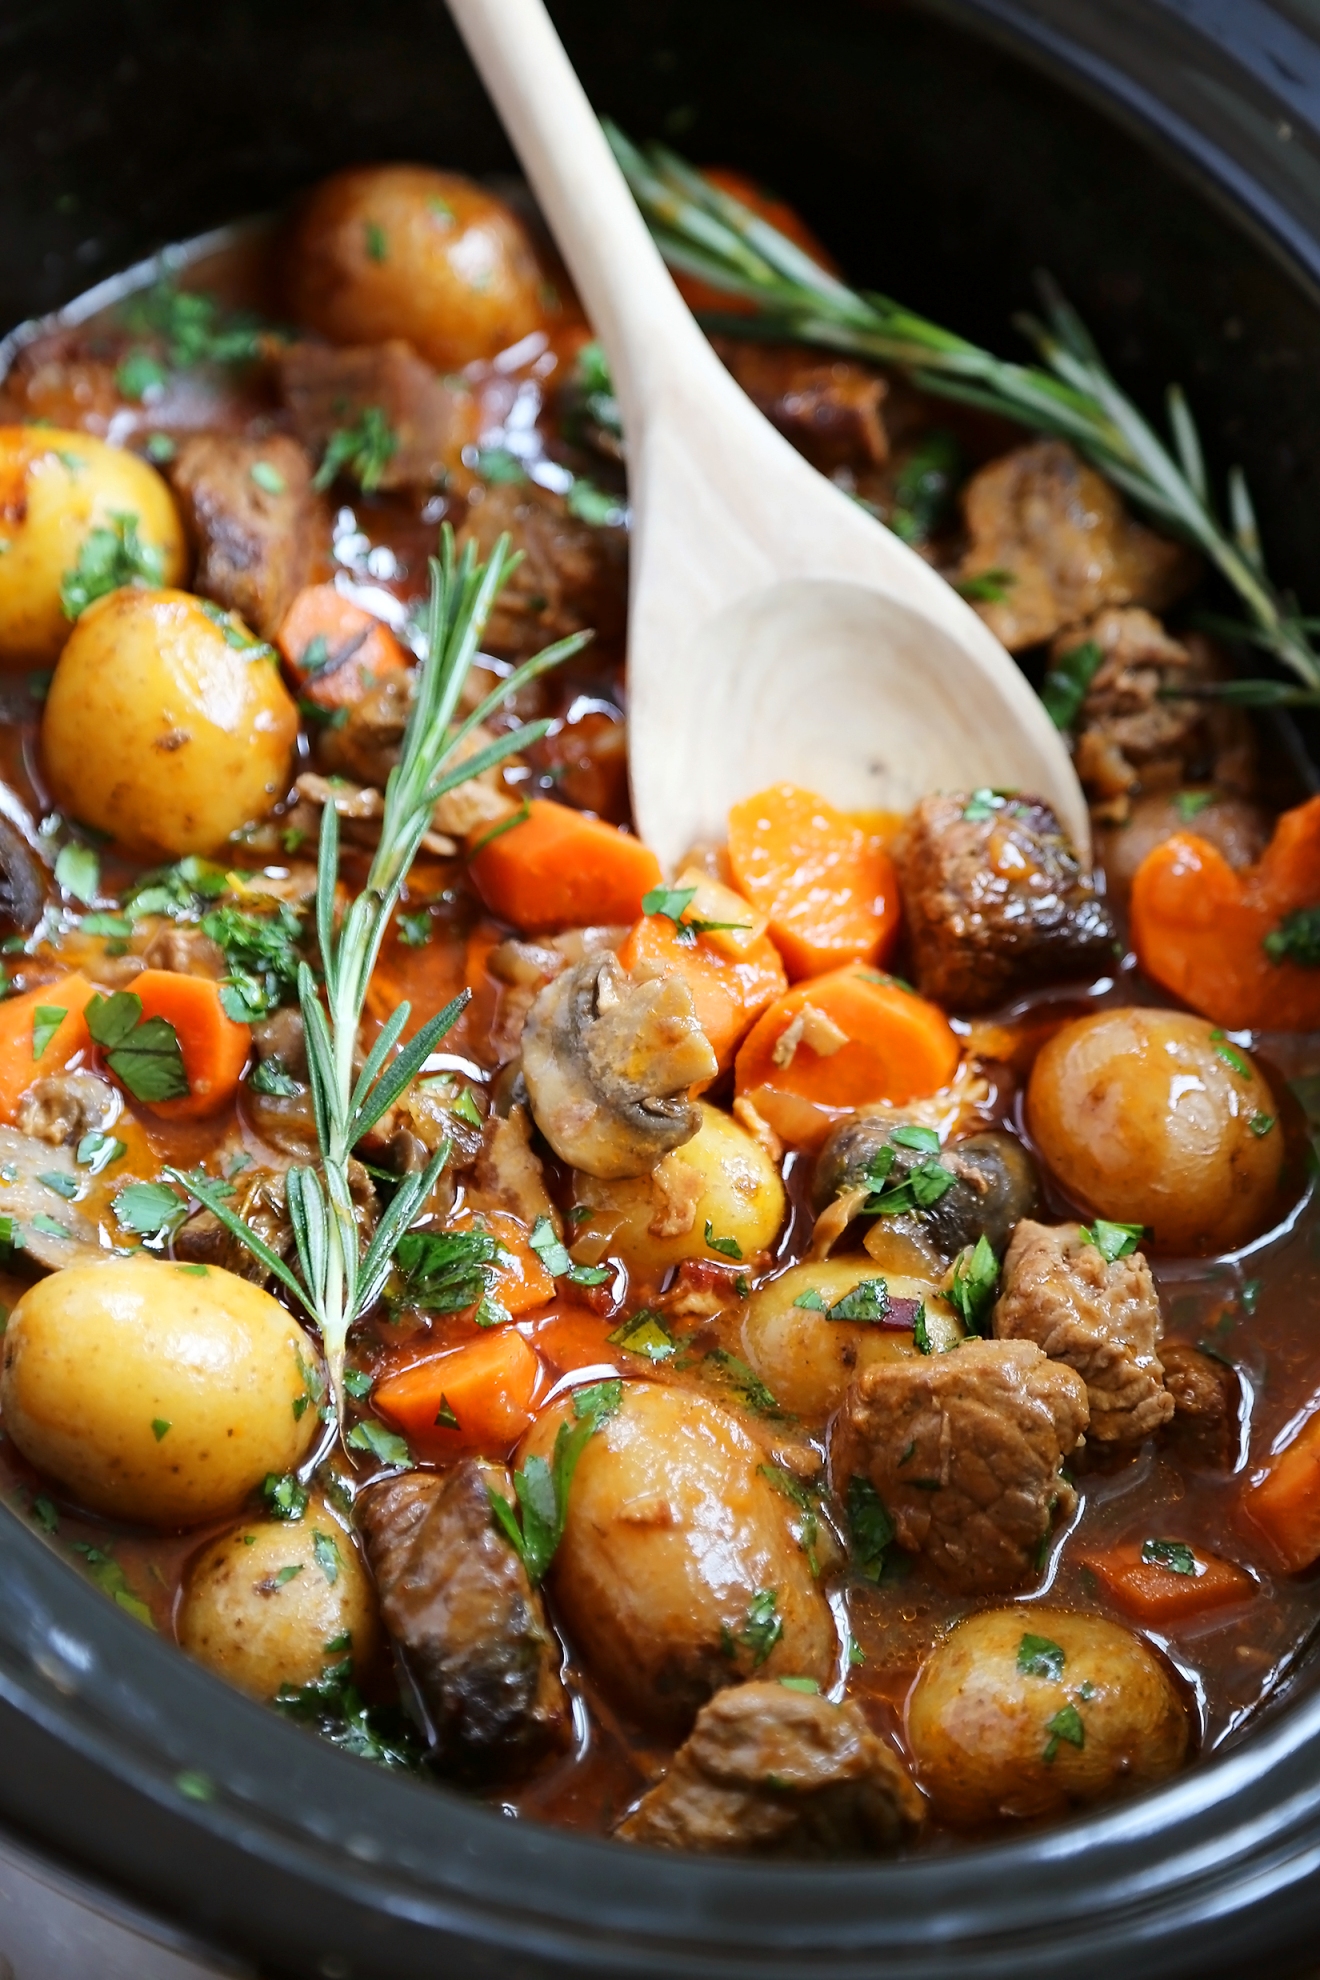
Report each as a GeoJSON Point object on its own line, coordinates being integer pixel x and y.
{"type": "Point", "coordinates": [727, 996]}
{"type": "Point", "coordinates": [1216, 937]}
{"type": "Point", "coordinates": [476, 1398]}
{"type": "Point", "coordinates": [333, 650]}
{"type": "Point", "coordinates": [556, 868]}
{"type": "Point", "coordinates": [1157, 1593]}
{"type": "Point", "coordinates": [838, 1042]}
{"type": "Point", "coordinates": [215, 1049]}
{"type": "Point", "coordinates": [829, 888]}
{"type": "Point", "coordinates": [40, 1032]}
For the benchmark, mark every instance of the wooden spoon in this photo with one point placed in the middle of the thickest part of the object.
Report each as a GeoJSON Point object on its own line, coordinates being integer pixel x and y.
{"type": "Point", "coordinates": [776, 631]}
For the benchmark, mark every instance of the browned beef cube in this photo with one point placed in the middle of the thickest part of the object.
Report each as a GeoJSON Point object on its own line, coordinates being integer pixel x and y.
{"type": "Point", "coordinates": [964, 1450]}
{"type": "Point", "coordinates": [767, 1771]}
{"type": "Point", "coordinates": [1207, 1406]}
{"type": "Point", "coordinates": [1102, 1317]}
{"type": "Point", "coordinates": [250, 512]}
{"type": "Point", "coordinates": [1054, 544]}
{"type": "Point", "coordinates": [573, 574]}
{"type": "Point", "coordinates": [472, 1630]}
{"type": "Point", "coordinates": [832, 411]}
{"type": "Point", "coordinates": [996, 900]}
{"type": "Point", "coordinates": [329, 389]}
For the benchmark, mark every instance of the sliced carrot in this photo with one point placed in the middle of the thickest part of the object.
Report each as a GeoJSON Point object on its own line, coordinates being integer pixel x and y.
{"type": "Point", "coordinates": [1283, 1502]}
{"type": "Point", "coordinates": [34, 1042]}
{"type": "Point", "coordinates": [575, 1339]}
{"type": "Point", "coordinates": [477, 1398]}
{"type": "Point", "coordinates": [521, 1280]}
{"type": "Point", "coordinates": [827, 886]}
{"type": "Point", "coordinates": [699, 295]}
{"type": "Point", "coordinates": [1200, 929]}
{"type": "Point", "coordinates": [558, 868]}
{"type": "Point", "coordinates": [729, 990]}
{"type": "Point", "coordinates": [1156, 1593]}
{"type": "Point", "coordinates": [839, 1042]}
{"type": "Point", "coordinates": [334, 651]}
{"type": "Point", "coordinates": [215, 1049]}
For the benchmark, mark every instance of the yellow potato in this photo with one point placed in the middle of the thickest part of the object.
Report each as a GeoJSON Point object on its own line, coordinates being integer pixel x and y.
{"type": "Point", "coordinates": [1029, 1712]}
{"type": "Point", "coordinates": [250, 1620]}
{"type": "Point", "coordinates": [55, 488]}
{"type": "Point", "coordinates": [1152, 1117]}
{"type": "Point", "coordinates": [721, 1177]}
{"type": "Point", "coordinates": [167, 725]}
{"type": "Point", "coordinates": [157, 1392]}
{"type": "Point", "coordinates": [384, 251]}
{"type": "Point", "coordinates": [807, 1360]}
{"type": "Point", "coordinates": [678, 1570]}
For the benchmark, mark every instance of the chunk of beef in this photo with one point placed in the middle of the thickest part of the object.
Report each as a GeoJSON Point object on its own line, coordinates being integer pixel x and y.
{"type": "Point", "coordinates": [186, 951]}
{"type": "Point", "coordinates": [62, 1109]}
{"type": "Point", "coordinates": [59, 380]}
{"type": "Point", "coordinates": [330, 388]}
{"type": "Point", "coordinates": [471, 1628]}
{"type": "Point", "coordinates": [508, 1173]}
{"type": "Point", "coordinates": [1101, 1316]}
{"type": "Point", "coordinates": [572, 575]}
{"type": "Point", "coordinates": [768, 1771]}
{"type": "Point", "coordinates": [832, 411]}
{"type": "Point", "coordinates": [1066, 544]}
{"type": "Point", "coordinates": [251, 514]}
{"type": "Point", "coordinates": [1130, 735]}
{"type": "Point", "coordinates": [964, 1450]}
{"type": "Point", "coordinates": [996, 900]}
{"type": "Point", "coordinates": [1207, 1406]}
{"type": "Point", "coordinates": [282, 1038]}
{"type": "Point", "coordinates": [203, 1240]}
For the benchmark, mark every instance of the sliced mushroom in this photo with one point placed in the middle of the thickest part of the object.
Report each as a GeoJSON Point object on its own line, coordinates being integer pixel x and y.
{"type": "Point", "coordinates": [609, 1065]}
{"type": "Point", "coordinates": [36, 1216]}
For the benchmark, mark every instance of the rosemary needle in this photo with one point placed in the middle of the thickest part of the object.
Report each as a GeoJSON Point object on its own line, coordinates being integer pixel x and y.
{"type": "Point", "coordinates": [335, 1282]}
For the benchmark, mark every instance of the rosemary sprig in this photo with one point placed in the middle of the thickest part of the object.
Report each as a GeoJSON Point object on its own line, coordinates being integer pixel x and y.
{"type": "Point", "coordinates": [333, 1282]}
{"type": "Point", "coordinates": [704, 231]}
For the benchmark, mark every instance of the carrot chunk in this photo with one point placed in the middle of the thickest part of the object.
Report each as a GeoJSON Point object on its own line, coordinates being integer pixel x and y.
{"type": "Point", "coordinates": [1240, 947]}
{"type": "Point", "coordinates": [826, 884]}
{"type": "Point", "coordinates": [733, 971]}
{"type": "Point", "coordinates": [40, 1033]}
{"type": "Point", "coordinates": [521, 1280]}
{"type": "Point", "coordinates": [1161, 1581]}
{"type": "Point", "coordinates": [1283, 1503]}
{"type": "Point", "coordinates": [558, 868]}
{"type": "Point", "coordinates": [838, 1042]}
{"type": "Point", "coordinates": [214, 1048]}
{"type": "Point", "coordinates": [334, 651]}
{"type": "Point", "coordinates": [476, 1398]}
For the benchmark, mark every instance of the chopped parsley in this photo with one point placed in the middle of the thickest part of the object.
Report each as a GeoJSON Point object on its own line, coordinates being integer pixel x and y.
{"type": "Point", "coordinates": [594, 505]}
{"type": "Point", "coordinates": [1190, 804]}
{"type": "Point", "coordinates": [1230, 1055]}
{"type": "Point", "coordinates": [1260, 1124]}
{"type": "Point", "coordinates": [96, 1151]}
{"type": "Point", "coordinates": [986, 587]}
{"type": "Point", "coordinates": [110, 1578]}
{"type": "Point", "coordinates": [110, 555]}
{"type": "Point", "coordinates": [791, 1487]}
{"type": "Point", "coordinates": [972, 1288]}
{"type": "Point", "coordinates": [1296, 939]}
{"type": "Point", "coordinates": [78, 872]}
{"type": "Point", "coordinates": [357, 1382]}
{"type": "Point", "coordinates": [807, 1686]}
{"type": "Point", "coordinates": [1112, 1241]}
{"type": "Point", "coordinates": [760, 1631]}
{"type": "Point", "coordinates": [369, 1435]}
{"type": "Point", "coordinates": [645, 1334]}
{"type": "Point", "coordinates": [812, 1300]}
{"type": "Point", "coordinates": [377, 247]}
{"type": "Point", "coordinates": [193, 327]}
{"type": "Point", "coordinates": [1065, 686]}
{"type": "Point", "coordinates": [263, 957]}
{"type": "Point", "coordinates": [445, 1417]}
{"type": "Point", "coordinates": [870, 1529]}
{"type": "Point", "coordinates": [284, 1496]}
{"type": "Point", "coordinates": [920, 1189]}
{"type": "Point", "coordinates": [979, 807]}
{"type": "Point", "coordinates": [535, 1527]}
{"type": "Point", "coordinates": [1175, 1555]}
{"type": "Point", "coordinates": [1041, 1657]}
{"type": "Point", "coordinates": [868, 1300]}
{"type": "Point", "coordinates": [1066, 1724]}
{"type": "Point", "coordinates": [46, 1021]}
{"type": "Point", "coordinates": [672, 904]}
{"type": "Point", "coordinates": [923, 487]}
{"type": "Point", "coordinates": [445, 1271]}
{"type": "Point", "coordinates": [153, 1210]}
{"type": "Point", "coordinates": [415, 930]}
{"type": "Point", "coordinates": [920, 1331]}
{"type": "Point", "coordinates": [160, 1428]}
{"type": "Point", "coordinates": [179, 891]}
{"type": "Point", "coordinates": [745, 1384]}
{"type": "Point", "coordinates": [328, 1557]}
{"type": "Point", "coordinates": [269, 1077]}
{"type": "Point", "coordinates": [729, 1247]}
{"type": "Point", "coordinates": [268, 477]}
{"type": "Point", "coordinates": [553, 1253]}
{"type": "Point", "coordinates": [43, 1511]}
{"type": "Point", "coordinates": [142, 1053]}
{"type": "Point", "coordinates": [63, 1185]}
{"type": "Point", "coordinates": [335, 1707]}
{"type": "Point", "coordinates": [363, 451]}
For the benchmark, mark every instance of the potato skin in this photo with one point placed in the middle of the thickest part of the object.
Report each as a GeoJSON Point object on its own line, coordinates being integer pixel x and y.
{"type": "Point", "coordinates": [383, 251]}
{"type": "Point", "coordinates": [672, 1531]}
{"type": "Point", "coordinates": [807, 1360]}
{"type": "Point", "coordinates": [96, 1357]}
{"type": "Point", "coordinates": [240, 1620]}
{"type": "Point", "coordinates": [978, 1727]}
{"type": "Point", "coordinates": [742, 1198]}
{"type": "Point", "coordinates": [55, 487]}
{"type": "Point", "coordinates": [1144, 1122]}
{"type": "Point", "coordinates": [160, 732]}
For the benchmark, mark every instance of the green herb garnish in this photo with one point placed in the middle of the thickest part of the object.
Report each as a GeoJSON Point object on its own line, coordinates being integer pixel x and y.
{"type": "Point", "coordinates": [645, 1334]}
{"type": "Point", "coordinates": [363, 451]}
{"type": "Point", "coordinates": [1175, 1555]}
{"type": "Point", "coordinates": [760, 1631]}
{"type": "Point", "coordinates": [369, 1435]}
{"type": "Point", "coordinates": [972, 1288]}
{"type": "Point", "coordinates": [868, 1300]}
{"type": "Point", "coordinates": [535, 1528]}
{"type": "Point", "coordinates": [78, 872]}
{"type": "Point", "coordinates": [1065, 686]}
{"type": "Point", "coordinates": [1296, 939]}
{"type": "Point", "coordinates": [285, 1497]}
{"type": "Point", "coordinates": [1112, 1241]}
{"type": "Point", "coordinates": [263, 954]}
{"type": "Point", "coordinates": [143, 1053]}
{"type": "Point", "coordinates": [110, 555]}
{"type": "Point", "coordinates": [1041, 1657]}
{"type": "Point", "coordinates": [328, 1557]}
{"type": "Point", "coordinates": [553, 1254]}
{"type": "Point", "coordinates": [729, 1247]}
{"type": "Point", "coordinates": [153, 1210]}
{"type": "Point", "coordinates": [870, 1529]}
{"type": "Point", "coordinates": [1066, 1724]}
{"type": "Point", "coordinates": [46, 1021]}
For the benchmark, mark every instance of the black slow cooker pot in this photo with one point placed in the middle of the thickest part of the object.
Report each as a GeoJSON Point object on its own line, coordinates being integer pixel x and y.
{"type": "Point", "coordinates": [1162, 159]}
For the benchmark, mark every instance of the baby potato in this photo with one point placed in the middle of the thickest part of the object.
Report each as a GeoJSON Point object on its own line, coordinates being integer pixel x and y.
{"type": "Point", "coordinates": [156, 1392]}
{"type": "Point", "coordinates": [384, 251]}
{"type": "Point", "coordinates": [721, 1179]}
{"type": "Point", "coordinates": [55, 488]}
{"type": "Point", "coordinates": [279, 1602]}
{"type": "Point", "coordinates": [1152, 1117]}
{"type": "Point", "coordinates": [678, 1571]}
{"type": "Point", "coordinates": [806, 1359]}
{"type": "Point", "coordinates": [1029, 1712]}
{"type": "Point", "coordinates": [167, 725]}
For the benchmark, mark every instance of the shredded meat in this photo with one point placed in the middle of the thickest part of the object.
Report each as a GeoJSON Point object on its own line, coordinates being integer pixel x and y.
{"type": "Point", "coordinates": [1065, 543]}
{"type": "Point", "coordinates": [572, 576]}
{"type": "Point", "coordinates": [997, 900]}
{"type": "Point", "coordinates": [833, 412]}
{"type": "Point", "coordinates": [768, 1771]}
{"type": "Point", "coordinates": [62, 1109]}
{"type": "Point", "coordinates": [328, 388]}
{"type": "Point", "coordinates": [251, 514]}
{"type": "Point", "coordinates": [1207, 1406]}
{"type": "Point", "coordinates": [964, 1450]}
{"type": "Point", "coordinates": [472, 1630]}
{"type": "Point", "coordinates": [1101, 1317]}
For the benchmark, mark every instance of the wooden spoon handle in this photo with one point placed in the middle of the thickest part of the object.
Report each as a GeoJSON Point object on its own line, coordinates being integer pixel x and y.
{"type": "Point", "coordinates": [627, 291]}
